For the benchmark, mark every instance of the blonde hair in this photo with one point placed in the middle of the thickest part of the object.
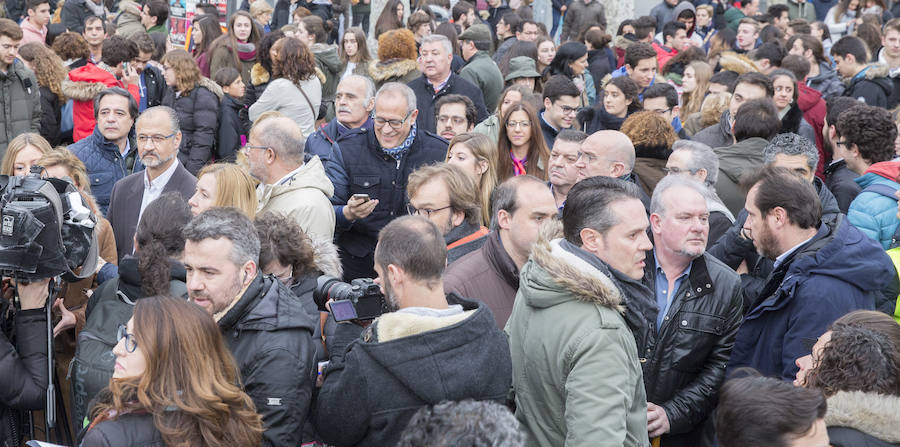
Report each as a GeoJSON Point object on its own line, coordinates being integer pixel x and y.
{"type": "Point", "coordinates": [234, 187]}
{"type": "Point", "coordinates": [18, 144]}
{"type": "Point", "coordinates": [187, 73]}
{"type": "Point", "coordinates": [484, 150]}
{"type": "Point", "coordinates": [693, 100]}
{"type": "Point", "coordinates": [713, 106]}
{"type": "Point", "coordinates": [460, 187]}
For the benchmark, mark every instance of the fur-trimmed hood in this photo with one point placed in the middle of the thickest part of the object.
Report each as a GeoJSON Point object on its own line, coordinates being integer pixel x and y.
{"type": "Point", "coordinates": [567, 276]}
{"type": "Point", "coordinates": [83, 84]}
{"type": "Point", "coordinates": [622, 42]}
{"type": "Point", "coordinates": [391, 68]}
{"type": "Point", "coordinates": [326, 258]}
{"type": "Point", "coordinates": [877, 415]}
{"type": "Point", "coordinates": [211, 86]}
{"type": "Point", "coordinates": [259, 75]}
{"type": "Point", "coordinates": [738, 63]}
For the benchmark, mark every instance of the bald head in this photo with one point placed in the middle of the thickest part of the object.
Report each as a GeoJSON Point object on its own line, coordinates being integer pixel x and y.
{"type": "Point", "coordinates": [283, 136]}
{"type": "Point", "coordinates": [160, 113]}
{"type": "Point", "coordinates": [607, 153]}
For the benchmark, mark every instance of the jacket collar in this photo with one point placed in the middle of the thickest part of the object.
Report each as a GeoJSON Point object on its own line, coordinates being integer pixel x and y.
{"type": "Point", "coordinates": [874, 414]}
{"type": "Point", "coordinates": [500, 260]}
{"type": "Point", "coordinates": [699, 282]}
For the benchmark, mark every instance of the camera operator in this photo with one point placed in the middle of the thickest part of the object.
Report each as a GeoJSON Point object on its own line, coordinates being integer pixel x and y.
{"type": "Point", "coordinates": [24, 366]}
{"type": "Point", "coordinates": [431, 347]}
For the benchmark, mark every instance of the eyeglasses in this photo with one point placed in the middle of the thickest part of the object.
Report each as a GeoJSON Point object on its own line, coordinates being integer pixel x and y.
{"type": "Point", "coordinates": [157, 139]}
{"type": "Point", "coordinates": [248, 147]}
{"type": "Point", "coordinates": [841, 142]}
{"type": "Point", "coordinates": [566, 110]}
{"type": "Point", "coordinates": [413, 211]}
{"type": "Point", "coordinates": [515, 124]}
{"type": "Point", "coordinates": [677, 170]}
{"type": "Point", "coordinates": [395, 124]}
{"type": "Point", "coordinates": [589, 157]}
{"type": "Point", "coordinates": [456, 120]}
{"type": "Point", "coordinates": [130, 342]}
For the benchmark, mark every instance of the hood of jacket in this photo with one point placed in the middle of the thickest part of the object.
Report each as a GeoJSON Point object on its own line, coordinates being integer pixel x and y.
{"type": "Point", "coordinates": [874, 414]}
{"type": "Point", "coordinates": [842, 253]}
{"type": "Point", "coordinates": [310, 175]}
{"type": "Point", "coordinates": [737, 158]}
{"type": "Point", "coordinates": [566, 276]}
{"type": "Point", "coordinates": [129, 11]}
{"type": "Point", "coordinates": [739, 63]}
{"type": "Point", "coordinates": [130, 277]}
{"type": "Point", "coordinates": [887, 169]}
{"type": "Point", "coordinates": [259, 75]}
{"type": "Point", "coordinates": [267, 305]}
{"type": "Point", "coordinates": [878, 74]}
{"type": "Point", "coordinates": [622, 42]}
{"type": "Point", "coordinates": [397, 340]}
{"type": "Point", "coordinates": [327, 54]}
{"type": "Point", "coordinates": [391, 68]}
{"type": "Point", "coordinates": [326, 258]}
{"type": "Point", "coordinates": [84, 83]}
{"type": "Point", "coordinates": [808, 97]}
{"type": "Point", "coordinates": [683, 6]}
{"type": "Point", "coordinates": [825, 72]}
{"type": "Point", "coordinates": [212, 87]}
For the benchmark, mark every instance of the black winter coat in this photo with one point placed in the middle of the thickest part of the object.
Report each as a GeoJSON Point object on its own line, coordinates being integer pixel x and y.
{"type": "Point", "coordinates": [686, 359]}
{"type": "Point", "coordinates": [873, 88]}
{"type": "Point", "coordinates": [840, 180]}
{"type": "Point", "coordinates": [596, 118]}
{"type": "Point", "coordinates": [426, 97]}
{"type": "Point", "coordinates": [156, 86]}
{"type": "Point", "coordinates": [198, 114]}
{"type": "Point", "coordinates": [130, 430]}
{"type": "Point", "coordinates": [601, 62]}
{"type": "Point", "coordinates": [51, 109]}
{"type": "Point", "coordinates": [23, 368]}
{"type": "Point", "coordinates": [375, 383]}
{"type": "Point", "coordinates": [269, 332]}
{"type": "Point", "coordinates": [230, 129]}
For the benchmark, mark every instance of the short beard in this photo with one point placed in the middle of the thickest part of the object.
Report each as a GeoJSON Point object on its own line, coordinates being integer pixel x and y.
{"type": "Point", "coordinates": [389, 299]}
{"type": "Point", "coordinates": [158, 163]}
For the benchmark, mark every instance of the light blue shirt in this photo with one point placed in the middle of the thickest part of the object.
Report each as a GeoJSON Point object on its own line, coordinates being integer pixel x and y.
{"type": "Point", "coordinates": [663, 294]}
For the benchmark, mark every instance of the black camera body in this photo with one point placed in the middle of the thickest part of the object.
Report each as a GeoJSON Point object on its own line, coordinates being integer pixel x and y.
{"type": "Point", "coordinates": [360, 300]}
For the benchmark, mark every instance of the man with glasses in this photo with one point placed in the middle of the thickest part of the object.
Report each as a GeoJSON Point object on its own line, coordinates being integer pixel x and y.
{"type": "Point", "coordinates": [447, 196]}
{"type": "Point", "coordinates": [369, 169]}
{"type": "Point", "coordinates": [437, 80]}
{"type": "Point", "coordinates": [561, 100]}
{"type": "Point", "coordinates": [289, 185]}
{"type": "Point", "coordinates": [455, 115]}
{"type": "Point", "coordinates": [663, 99]}
{"type": "Point", "coordinates": [609, 153]}
{"type": "Point", "coordinates": [158, 138]}
{"type": "Point", "coordinates": [110, 152]}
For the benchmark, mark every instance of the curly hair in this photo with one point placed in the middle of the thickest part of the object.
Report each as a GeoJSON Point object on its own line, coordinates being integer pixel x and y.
{"type": "Point", "coordinates": [856, 359]}
{"type": "Point", "coordinates": [187, 73]}
{"type": "Point", "coordinates": [189, 370]}
{"type": "Point", "coordinates": [159, 238]}
{"type": "Point", "coordinates": [466, 422]}
{"type": "Point", "coordinates": [293, 60]}
{"type": "Point", "coordinates": [69, 45]}
{"type": "Point", "coordinates": [713, 106]}
{"type": "Point", "coordinates": [282, 240]}
{"type": "Point", "coordinates": [649, 129]}
{"type": "Point", "coordinates": [265, 44]}
{"type": "Point", "coordinates": [871, 129]}
{"type": "Point", "coordinates": [397, 44]}
{"type": "Point", "coordinates": [47, 66]}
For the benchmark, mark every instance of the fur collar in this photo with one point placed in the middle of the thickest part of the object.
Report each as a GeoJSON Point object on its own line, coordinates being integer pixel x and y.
{"type": "Point", "coordinates": [81, 91]}
{"type": "Point", "coordinates": [258, 74]}
{"type": "Point", "coordinates": [391, 68]}
{"type": "Point", "coordinates": [211, 86]}
{"type": "Point", "coordinates": [738, 63]}
{"type": "Point", "coordinates": [877, 70]}
{"type": "Point", "coordinates": [573, 274]}
{"type": "Point", "coordinates": [394, 325]}
{"type": "Point", "coordinates": [877, 415]}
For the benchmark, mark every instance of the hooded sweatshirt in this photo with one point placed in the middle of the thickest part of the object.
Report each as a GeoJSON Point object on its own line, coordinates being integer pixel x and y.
{"type": "Point", "coordinates": [303, 196]}
{"type": "Point", "coordinates": [734, 160]}
{"type": "Point", "coordinates": [826, 82]}
{"type": "Point", "coordinates": [873, 213]}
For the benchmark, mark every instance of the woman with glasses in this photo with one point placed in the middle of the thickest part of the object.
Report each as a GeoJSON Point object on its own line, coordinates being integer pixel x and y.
{"type": "Point", "coordinates": [224, 184]}
{"type": "Point", "coordinates": [154, 269]}
{"type": "Point", "coordinates": [175, 384]}
{"type": "Point", "coordinates": [620, 99]}
{"type": "Point", "coordinates": [296, 91]}
{"type": "Point", "coordinates": [521, 147]}
{"type": "Point", "coordinates": [196, 100]}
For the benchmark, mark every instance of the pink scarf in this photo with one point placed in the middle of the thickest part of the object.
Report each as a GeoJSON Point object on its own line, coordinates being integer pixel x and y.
{"type": "Point", "coordinates": [518, 164]}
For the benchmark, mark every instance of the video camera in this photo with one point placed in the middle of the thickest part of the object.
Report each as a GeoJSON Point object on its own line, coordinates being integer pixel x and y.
{"type": "Point", "coordinates": [360, 300]}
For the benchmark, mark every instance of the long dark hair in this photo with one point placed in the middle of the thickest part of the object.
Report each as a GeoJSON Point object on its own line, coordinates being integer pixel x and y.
{"type": "Point", "coordinates": [566, 54]}
{"type": "Point", "coordinates": [228, 40]}
{"type": "Point", "coordinates": [209, 26]}
{"type": "Point", "coordinates": [538, 154]}
{"type": "Point", "coordinates": [265, 44]}
{"type": "Point", "coordinates": [388, 19]}
{"type": "Point", "coordinates": [159, 238]}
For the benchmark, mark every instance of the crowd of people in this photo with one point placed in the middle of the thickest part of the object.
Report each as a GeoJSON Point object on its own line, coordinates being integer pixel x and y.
{"type": "Point", "coordinates": [561, 224]}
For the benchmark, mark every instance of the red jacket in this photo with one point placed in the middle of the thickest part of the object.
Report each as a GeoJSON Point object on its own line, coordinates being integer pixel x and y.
{"type": "Point", "coordinates": [663, 54]}
{"type": "Point", "coordinates": [813, 107]}
{"type": "Point", "coordinates": [82, 85]}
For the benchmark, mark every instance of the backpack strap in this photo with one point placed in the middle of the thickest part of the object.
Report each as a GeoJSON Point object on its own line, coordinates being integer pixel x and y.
{"type": "Point", "coordinates": [881, 189]}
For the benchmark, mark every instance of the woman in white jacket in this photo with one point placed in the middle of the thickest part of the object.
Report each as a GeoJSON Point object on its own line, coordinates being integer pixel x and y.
{"type": "Point", "coordinates": [296, 91]}
{"type": "Point", "coordinates": [842, 18]}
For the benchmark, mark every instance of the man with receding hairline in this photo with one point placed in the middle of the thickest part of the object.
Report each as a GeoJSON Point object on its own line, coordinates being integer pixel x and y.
{"type": "Point", "coordinates": [609, 153]}
{"type": "Point", "coordinates": [289, 186]}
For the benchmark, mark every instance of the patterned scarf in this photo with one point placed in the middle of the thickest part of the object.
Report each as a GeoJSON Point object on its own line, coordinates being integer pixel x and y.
{"type": "Point", "coordinates": [398, 152]}
{"type": "Point", "coordinates": [518, 164]}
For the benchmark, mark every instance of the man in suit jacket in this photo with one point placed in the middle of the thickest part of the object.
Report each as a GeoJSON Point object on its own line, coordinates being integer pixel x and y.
{"type": "Point", "coordinates": [158, 138]}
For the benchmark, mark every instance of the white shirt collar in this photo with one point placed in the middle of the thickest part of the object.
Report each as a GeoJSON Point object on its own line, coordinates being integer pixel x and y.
{"type": "Point", "coordinates": [781, 258]}
{"type": "Point", "coordinates": [161, 181]}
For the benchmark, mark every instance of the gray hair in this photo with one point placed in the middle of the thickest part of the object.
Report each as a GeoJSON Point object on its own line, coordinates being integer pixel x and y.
{"type": "Point", "coordinates": [400, 89]}
{"type": "Point", "coordinates": [283, 136]}
{"type": "Point", "coordinates": [791, 144]}
{"type": "Point", "coordinates": [171, 114]}
{"type": "Point", "coordinates": [673, 181]}
{"type": "Point", "coordinates": [229, 223]}
{"type": "Point", "coordinates": [702, 157]}
{"type": "Point", "coordinates": [468, 422]}
{"type": "Point", "coordinates": [370, 85]}
{"type": "Point", "coordinates": [439, 38]}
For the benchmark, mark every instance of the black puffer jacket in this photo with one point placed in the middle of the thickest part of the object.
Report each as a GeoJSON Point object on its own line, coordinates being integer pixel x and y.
{"type": "Point", "coordinates": [24, 370]}
{"type": "Point", "coordinates": [51, 109]}
{"type": "Point", "coordinates": [125, 431]}
{"type": "Point", "coordinates": [259, 80]}
{"type": "Point", "coordinates": [375, 383]}
{"type": "Point", "coordinates": [198, 114]}
{"type": "Point", "coordinates": [269, 332]}
{"type": "Point", "coordinates": [230, 129]}
{"type": "Point", "coordinates": [687, 357]}
{"type": "Point", "coordinates": [156, 86]}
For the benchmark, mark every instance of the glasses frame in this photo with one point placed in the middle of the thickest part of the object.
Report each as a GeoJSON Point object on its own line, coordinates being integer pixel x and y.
{"type": "Point", "coordinates": [413, 211]}
{"type": "Point", "coordinates": [146, 138]}
{"type": "Point", "coordinates": [399, 124]}
{"type": "Point", "coordinates": [130, 342]}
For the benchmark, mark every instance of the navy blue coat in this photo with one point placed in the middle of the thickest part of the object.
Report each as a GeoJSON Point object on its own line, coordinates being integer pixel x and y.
{"type": "Point", "coordinates": [105, 164]}
{"type": "Point", "coordinates": [323, 141]}
{"type": "Point", "coordinates": [426, 98]}
{"type": "Point", "coordinates": [837, 272]}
